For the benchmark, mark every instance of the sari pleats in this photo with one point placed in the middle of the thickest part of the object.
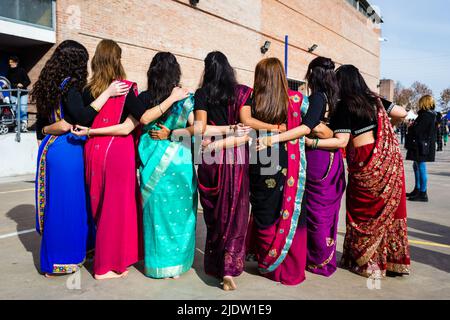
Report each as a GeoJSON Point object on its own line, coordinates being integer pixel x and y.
{"type": "Point", "coordinates": [325, 185]}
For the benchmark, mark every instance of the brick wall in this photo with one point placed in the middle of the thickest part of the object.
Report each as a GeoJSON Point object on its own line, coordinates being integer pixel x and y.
{"type": "Point", "coordinates": [238, 28]}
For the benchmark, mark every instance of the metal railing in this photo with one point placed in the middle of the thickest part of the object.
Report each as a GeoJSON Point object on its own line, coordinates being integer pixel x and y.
{"type": "Point", "coordinates": [16, 111]}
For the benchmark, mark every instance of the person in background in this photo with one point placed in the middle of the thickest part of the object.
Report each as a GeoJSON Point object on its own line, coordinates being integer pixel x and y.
{"type": "Point", "coordinates": [421, 146]}
{"type": "Point", "coordinates": [439, 132]}
{"type": "Point", "coordinates": [403, 130]}
{"type": "Point", "coordinates": [445, 130]}
{"type": "Point", "coordinates": [19, 80]}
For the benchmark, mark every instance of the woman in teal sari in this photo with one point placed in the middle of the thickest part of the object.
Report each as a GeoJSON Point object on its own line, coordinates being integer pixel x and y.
{"type": "Point", "coordinates": [167, 178]}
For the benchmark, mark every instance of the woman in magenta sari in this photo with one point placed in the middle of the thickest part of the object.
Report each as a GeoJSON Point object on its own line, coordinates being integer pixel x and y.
{"type": "Point", "coordinates": [325, 178]}
{"type": "Point", "coordinates": [277, 233]}
{"type": "Point", "coordinates": [376, 241]}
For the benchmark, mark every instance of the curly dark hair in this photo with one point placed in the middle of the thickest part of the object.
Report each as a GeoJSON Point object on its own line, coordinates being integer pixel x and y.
{"type": "Point", "coordinates": [70, 59]}
{"type": "Point", "coordinates": [219, 80]}
{"type": "Point", "coordinates": [163, 75]}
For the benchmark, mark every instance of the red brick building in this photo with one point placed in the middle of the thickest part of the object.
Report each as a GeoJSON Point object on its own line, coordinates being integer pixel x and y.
{"type": "Point", "coordinates": [344, 30]}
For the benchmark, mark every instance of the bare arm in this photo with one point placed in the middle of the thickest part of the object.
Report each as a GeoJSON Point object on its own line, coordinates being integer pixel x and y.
{"type": "Point", "coordinates": [122, 129]}
{"type": "Point", "coordinates": [57, 128]}
{"type": "Point", "coordinates": [229, 142]}
{"type": "Point", "coordinates": [157, 111]}
{"type": "Point", "coordinates": [322, 131]}
{"type": "Point", "coordinates": [397, 115]}
{"type": "Point", "coordinates": [339, 141]}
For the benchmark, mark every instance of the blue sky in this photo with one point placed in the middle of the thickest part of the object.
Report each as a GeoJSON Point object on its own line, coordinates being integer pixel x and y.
{"type": "Point", "coordinates": [418, 46]}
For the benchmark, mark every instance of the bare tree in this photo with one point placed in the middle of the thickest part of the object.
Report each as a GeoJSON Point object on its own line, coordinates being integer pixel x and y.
{"type": "Point", "coordinates": [444, 100]}
{"type": "Point", "coordinates": [419, 90]}
{"type": "Point", "coordinates": [403, 96]}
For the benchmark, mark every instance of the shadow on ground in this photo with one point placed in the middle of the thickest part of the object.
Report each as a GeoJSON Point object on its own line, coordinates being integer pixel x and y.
{"type": "Point", "coordinates": [22, 215]}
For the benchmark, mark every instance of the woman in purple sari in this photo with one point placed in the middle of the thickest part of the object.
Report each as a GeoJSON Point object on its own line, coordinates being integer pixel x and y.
{"type": "Point", "coordinates": [325, 178]}
{"type": "Point", "coordinates": [223, 183]}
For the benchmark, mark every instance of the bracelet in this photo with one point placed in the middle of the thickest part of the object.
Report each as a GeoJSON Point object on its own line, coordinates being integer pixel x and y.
{"type": "Point", "coordinates": [88, 132]}
{"type": "Point", "coordinates": [43, 131]}
{"type": "Point", "coordinates": [160, 109]}
{"type": "Point", "coordinates": [316, 143]}
{"type": "Point", "coordinates": [95, 108]}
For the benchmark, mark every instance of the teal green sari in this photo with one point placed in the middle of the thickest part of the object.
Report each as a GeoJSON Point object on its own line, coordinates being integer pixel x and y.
{"type": "Point", "coordinates": [169, 197]}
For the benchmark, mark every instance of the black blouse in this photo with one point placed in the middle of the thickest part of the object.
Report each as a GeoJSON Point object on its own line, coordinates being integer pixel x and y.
{"type": "Point", "coordinates": [74, 109]}
{"type": "Point", "coordinates": [217, 116]}
{"type": "Point", "coordinates": [344, 122]}
{"type": "Point", "coordinates": [133, 105]}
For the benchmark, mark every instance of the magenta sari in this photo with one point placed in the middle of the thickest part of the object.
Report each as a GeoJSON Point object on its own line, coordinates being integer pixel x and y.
{"type": "Point", "coordinates": [281, 247]}
{"type": "Point", "coordinates": [224, 195]}
{"type": "Point", "coordinates": [112, 184]}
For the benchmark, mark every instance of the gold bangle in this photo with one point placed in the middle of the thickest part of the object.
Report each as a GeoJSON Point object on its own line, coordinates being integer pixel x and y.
{"type": "Point", "coordinates": [88, 132]}
{"type": "Point", "coordinates": [95, 108]}
{"type": "Point", "coordinates": [160, 109]}
{"type": "Point", "coordinates": [43, 131]}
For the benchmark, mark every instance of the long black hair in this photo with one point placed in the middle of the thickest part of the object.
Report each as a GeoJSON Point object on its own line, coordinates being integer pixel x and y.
{"type": "Point", "coordinates": [355, 94]}
{"type": "Point", "coordinates": [219, 80]}
{"type": "Point", "coordinates": [163, 75]}
{"type": "Point", "coordinates": [321, 77]}
{"type": "Point", "coordinates": [70, 59]}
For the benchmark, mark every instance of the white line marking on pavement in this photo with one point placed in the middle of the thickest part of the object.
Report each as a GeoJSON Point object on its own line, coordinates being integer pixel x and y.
{"type": "Point", "coordinates": [16, 191]}
{"type": "Point", "coordinates": [14, 234]}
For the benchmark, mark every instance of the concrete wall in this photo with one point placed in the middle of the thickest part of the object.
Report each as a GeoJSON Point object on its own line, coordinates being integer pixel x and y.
{"type": "Point", "coordinates": [18, 158]}
{"type": "Point", "coordinates": [238, 28]}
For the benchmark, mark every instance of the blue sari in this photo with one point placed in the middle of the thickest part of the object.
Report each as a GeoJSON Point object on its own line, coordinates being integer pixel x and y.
{"type": "Point", "coordinates": [169, 197]}
{"type": "Point", "coordinates": [62, 214]}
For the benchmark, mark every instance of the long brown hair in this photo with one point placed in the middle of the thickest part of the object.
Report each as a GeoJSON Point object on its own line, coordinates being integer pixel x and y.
{"type": "Point", "coordinates": [271, 92]}
{"type": "Point", "coordinates": [106, 67]}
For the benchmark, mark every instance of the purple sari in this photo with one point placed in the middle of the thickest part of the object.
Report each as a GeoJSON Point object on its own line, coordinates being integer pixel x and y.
{"type": "Point", "coordinates": [224, 195]}
{"type": "Point", "coordinates": [325, 185]}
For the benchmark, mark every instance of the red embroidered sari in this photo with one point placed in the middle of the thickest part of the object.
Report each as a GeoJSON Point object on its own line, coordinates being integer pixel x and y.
{"type": "Point", "coordinates": [376, 238]}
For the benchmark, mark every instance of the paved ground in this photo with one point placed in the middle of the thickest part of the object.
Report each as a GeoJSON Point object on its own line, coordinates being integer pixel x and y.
{"type": "Point", "coordinates": [429, 230]}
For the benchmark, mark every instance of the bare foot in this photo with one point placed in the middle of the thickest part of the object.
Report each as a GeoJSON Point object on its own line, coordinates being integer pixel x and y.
{"type": "Point", "coordinates": [54, 275]}
{"type": "Point", "coordinates": [111, 275]}
{"type": "Point", "coordinates": [228, 284]}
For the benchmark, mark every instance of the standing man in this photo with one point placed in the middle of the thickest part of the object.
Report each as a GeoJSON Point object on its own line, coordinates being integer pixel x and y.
{"type": "Point", "coordinates": [19, 80]}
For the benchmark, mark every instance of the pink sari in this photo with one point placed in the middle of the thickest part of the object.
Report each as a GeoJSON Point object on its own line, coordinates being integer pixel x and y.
{"type": "Point", "coordinates": [112, 184]}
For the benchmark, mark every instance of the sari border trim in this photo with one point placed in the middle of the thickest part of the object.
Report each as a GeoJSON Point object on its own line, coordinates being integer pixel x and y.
{"type": "Point", "coordinates": [42, 183]}
{"type": "Point", "coordinates": [298, 205]}
{"type": "Point", "coordinates": [66, 268]}
{"type": "Point", "coordinates": [168, 272]}
{"type": "Point", "coordinates": [323, 264]}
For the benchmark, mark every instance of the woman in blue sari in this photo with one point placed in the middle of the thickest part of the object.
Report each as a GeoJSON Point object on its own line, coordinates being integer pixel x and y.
{"type": "Point", "coordinates": [62, 213]}
{"type": "Point", "coordinates": [167, 177]}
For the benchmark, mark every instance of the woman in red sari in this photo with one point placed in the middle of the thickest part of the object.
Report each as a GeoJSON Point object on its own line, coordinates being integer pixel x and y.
{"type": "Point", "coordinates": [376, 241]}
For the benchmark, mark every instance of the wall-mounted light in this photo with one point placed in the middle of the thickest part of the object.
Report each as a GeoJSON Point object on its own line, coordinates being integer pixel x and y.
{"type": "Point", "coordinates": [313, 48]}
{"type": "Point", "coordinates": [194, 2]}
{"type": "Point", "coordinates": [265, 47]}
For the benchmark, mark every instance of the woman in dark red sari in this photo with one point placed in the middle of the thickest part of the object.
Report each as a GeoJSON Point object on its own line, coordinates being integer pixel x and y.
{"type": "Point", "coordinates": [376, 241]}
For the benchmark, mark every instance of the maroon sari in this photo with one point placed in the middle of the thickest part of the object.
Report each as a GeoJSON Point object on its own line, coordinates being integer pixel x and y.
{"type": "Point", "coordinates": [224, 195]}
{"type": "Point", "coordinates": [376, 238]}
